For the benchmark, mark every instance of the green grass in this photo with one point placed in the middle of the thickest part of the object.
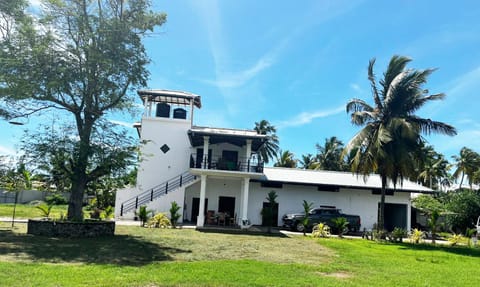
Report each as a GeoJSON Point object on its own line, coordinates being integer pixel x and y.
{"type": "Point", "coordinates": [165, 257]}
{"type": "Point", "coordinates": [23, 211]}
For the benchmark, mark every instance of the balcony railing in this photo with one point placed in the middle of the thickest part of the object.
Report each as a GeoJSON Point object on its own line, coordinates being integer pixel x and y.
{"type": "Point", "coordinates": [242, 164]}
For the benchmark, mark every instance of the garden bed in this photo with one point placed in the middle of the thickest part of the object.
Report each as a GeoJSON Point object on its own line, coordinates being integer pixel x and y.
{"type": "Point", "coordinates": [71, 229]}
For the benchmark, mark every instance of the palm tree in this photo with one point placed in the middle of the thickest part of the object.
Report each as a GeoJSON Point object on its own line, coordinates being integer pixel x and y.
{"type": "Point", "coordinates": [432, 167]}
{"type": "Point", "coordinates": [309, 161]}
{"type": "Point", "coordinates": [270, 148]}
{"type": "Point", "coordinates": [330, 154]}
{"type": "Point", "coordinates": [391, 131]}
{"type": "Point", "coordinates": [286, 159]}
{"type": "Point", "coordinates": [467, 164]}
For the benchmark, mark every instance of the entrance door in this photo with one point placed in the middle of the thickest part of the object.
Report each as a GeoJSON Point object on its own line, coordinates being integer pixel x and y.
{"type": "Point", "coordinates": [226, 204]}
{"type": "Point", "coordinates": [395, 216]}
{"type": "Point", "coordinates": [196, 208]}
{"type": "Point", "coordinates": [274, 215]}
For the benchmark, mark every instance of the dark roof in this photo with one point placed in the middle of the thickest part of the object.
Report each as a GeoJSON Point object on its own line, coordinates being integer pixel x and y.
{"type": "Point", "coordinates": [221, 135]}
{"type": "Point", "coordinates": [170, 97]}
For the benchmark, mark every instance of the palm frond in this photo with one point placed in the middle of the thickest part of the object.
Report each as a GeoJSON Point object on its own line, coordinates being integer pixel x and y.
{"type": "Point", "coordinates": [396, 66]}
{"type": "Point", "coordinates": [428, 126]}
{"type": "Point", "coordinates": [373, 84]}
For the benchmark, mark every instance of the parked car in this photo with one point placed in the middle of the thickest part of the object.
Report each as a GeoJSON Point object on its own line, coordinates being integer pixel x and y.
{"type": "Point", "coordinates": [318, 215]}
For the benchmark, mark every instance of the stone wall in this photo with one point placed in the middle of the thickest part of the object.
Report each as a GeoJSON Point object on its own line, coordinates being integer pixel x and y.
{"type": "Point", "coordinates": [71, 229]}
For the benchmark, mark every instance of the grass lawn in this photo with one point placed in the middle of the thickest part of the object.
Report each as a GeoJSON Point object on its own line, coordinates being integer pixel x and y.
{"type": "Point", "coordinates": [24, 211]}
{"type": "Point", "coordinates": [29, 211]}
{"type": "Point", "coordinates": [164, 257]}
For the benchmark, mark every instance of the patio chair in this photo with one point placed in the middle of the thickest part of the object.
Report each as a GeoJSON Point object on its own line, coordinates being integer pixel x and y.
{"type": "Point", "coordinates": [211, 218]}
{"type": "Point", "coordinates": [221, 219]}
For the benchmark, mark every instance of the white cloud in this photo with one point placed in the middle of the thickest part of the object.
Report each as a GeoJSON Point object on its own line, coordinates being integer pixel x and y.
{"type": "Point", "coordinates": [465, 84]}
{"type": "Point", "coordinates": [356, 88]}
{"type": "Point", "coordinates": [240, 78]}
{"type": "Point", "coordinates": [35, 3]}
{"type": "Point", "coordinates": [122, 123]}
{"type": "Point", "coordinates": [6, 151]}
{"type": "Point", "coordinates": [307, 117]}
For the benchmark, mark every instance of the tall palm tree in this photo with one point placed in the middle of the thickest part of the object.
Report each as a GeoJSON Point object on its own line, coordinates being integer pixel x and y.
{"type": "Point", "coordinates": [432, 167]}
{"type": "Point", "coordinates": [391, 131]}
{"type": "Point", "coordinates": [330, 154]}
{"type": "Point", "coordinates": [270, 148]}
{"type": "Point", "coordinates": [309, 161]}
{"type": "Point", "coordinates": [467, 164]}
{"type": "Point", "coordinates": [286, 159]}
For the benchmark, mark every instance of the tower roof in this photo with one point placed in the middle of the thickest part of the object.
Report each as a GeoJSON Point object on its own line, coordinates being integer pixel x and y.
{"type": "Point", "coordinates": [171, 97]}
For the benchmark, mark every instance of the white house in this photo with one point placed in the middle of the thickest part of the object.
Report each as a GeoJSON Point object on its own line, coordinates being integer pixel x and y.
{"type": "Point", "coordinates": [218, 167]}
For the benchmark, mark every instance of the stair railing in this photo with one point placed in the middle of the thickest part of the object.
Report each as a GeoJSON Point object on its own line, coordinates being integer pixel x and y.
{"type": "Point", "coordinates": [155, 192]}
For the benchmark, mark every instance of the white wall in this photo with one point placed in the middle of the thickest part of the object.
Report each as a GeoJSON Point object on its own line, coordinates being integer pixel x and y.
{"type": "Point", "coordinates": [156, 167]}
{"type": "Point", "coordinates": [290, 198]}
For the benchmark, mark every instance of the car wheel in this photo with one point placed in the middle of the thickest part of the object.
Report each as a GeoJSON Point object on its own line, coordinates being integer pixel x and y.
{"type": "Point", "coordinates": [299, 227]}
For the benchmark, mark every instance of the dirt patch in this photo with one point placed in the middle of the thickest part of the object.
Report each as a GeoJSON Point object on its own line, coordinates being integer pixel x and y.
{"type": "Point", "coordinates": [339, 275]}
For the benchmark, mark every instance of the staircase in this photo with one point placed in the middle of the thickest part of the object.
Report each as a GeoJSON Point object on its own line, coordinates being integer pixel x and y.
{"type": "Point", "coordinates": [170, 185]}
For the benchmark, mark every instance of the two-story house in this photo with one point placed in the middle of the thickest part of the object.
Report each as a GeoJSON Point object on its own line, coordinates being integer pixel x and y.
{"type": "Point", "coordinates": [216, 176]}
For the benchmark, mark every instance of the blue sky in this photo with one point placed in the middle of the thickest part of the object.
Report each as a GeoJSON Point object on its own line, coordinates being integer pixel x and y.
{"type": "Point", "coordinates": [297, 63]}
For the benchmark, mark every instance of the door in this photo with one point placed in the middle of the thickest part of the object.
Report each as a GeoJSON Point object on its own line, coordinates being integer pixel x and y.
{"type": "Point", "coordinates": [196, 208]}
{"type": "Point", "coordinates": [395, 216]}
{"type": "Point", "coordinates": [226, 204]}
{"type": "Point", "coordinates": [230, 157]}
{"type": "Point", "coordinates": [274, 215]}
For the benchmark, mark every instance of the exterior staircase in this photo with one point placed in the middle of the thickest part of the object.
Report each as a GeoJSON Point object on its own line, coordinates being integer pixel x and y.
{"type": "Point", "coordinates": [158, 191]}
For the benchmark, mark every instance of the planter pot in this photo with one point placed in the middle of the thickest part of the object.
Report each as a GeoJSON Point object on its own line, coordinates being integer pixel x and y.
{"type": "Point", "coordinates": [71, 229]}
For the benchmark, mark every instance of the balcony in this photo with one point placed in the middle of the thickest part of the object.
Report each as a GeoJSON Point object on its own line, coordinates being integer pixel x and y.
{"type": "Point", "coordinates": [241, 164]}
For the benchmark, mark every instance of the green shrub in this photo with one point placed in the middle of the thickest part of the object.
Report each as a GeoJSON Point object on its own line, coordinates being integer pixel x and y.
{"type": "Point", "coordinates": [456, 239]}
{"type": "Point", "coordinates": [45, 209]}
{"type": "Point", "coordinates": [398, 234]}
{"type": "Point", "coordinates": [143, 214]}
{"type": "Point", "coordinates": [56, 199]}
{"type": "Point", "coordinates": [107, 213]}
{"type": "Point", "coordinates": [174, 215]}
{"type": "Point", "coordinates": [340, 225]}
{"type": "Point", "coordinates": [416, 236]}
{"type": "Point", "coordinates": [321, 230]}
{"type": "Point", "coordinates": [160, 220]}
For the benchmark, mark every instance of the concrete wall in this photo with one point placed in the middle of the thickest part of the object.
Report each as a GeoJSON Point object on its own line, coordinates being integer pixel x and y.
{"type": "Point", "coordinates": [26, 196]}
{"type": "Point", "coordinates": [70, 229]}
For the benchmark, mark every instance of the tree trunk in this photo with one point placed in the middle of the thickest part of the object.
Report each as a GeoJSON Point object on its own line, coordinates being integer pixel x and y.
{"type": "Point", "coordinates": [79, 169]}
{"type": "Point", "coordinates": [381, 212]}
{"type": "Point", "coordinates": [461, 180]}
{"type": "Point", "coordinates": [75, 203]}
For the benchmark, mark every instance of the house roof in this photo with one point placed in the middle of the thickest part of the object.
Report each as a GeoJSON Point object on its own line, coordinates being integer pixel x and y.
{"type": "Point", "coordinates": [222, 135]}
{"type": "Point", "coordinates": [337, 179]}
{"type": "Point", "coordinates": [170, 97]}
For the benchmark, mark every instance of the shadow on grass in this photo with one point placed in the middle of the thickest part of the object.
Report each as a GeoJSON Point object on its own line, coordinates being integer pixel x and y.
{"type": "Point", "coordinates": [274, 233]}
{"type": "Point", "coordinates": [118, 249]}
{"type": "Point", "coordinates": [459, 250]}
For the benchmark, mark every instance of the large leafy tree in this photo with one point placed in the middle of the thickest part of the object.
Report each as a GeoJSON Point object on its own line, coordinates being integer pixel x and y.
{"type": "Point", "coordinates": [81, 57]}
{"type": "Point", "coordinates": [391, 130]}
{"type": "Point", "coordinates": [49, 150]}
{"type": "Point", "coordinates": [467, 163]}
{"type": "Point", "coordinates": [269, 149]}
